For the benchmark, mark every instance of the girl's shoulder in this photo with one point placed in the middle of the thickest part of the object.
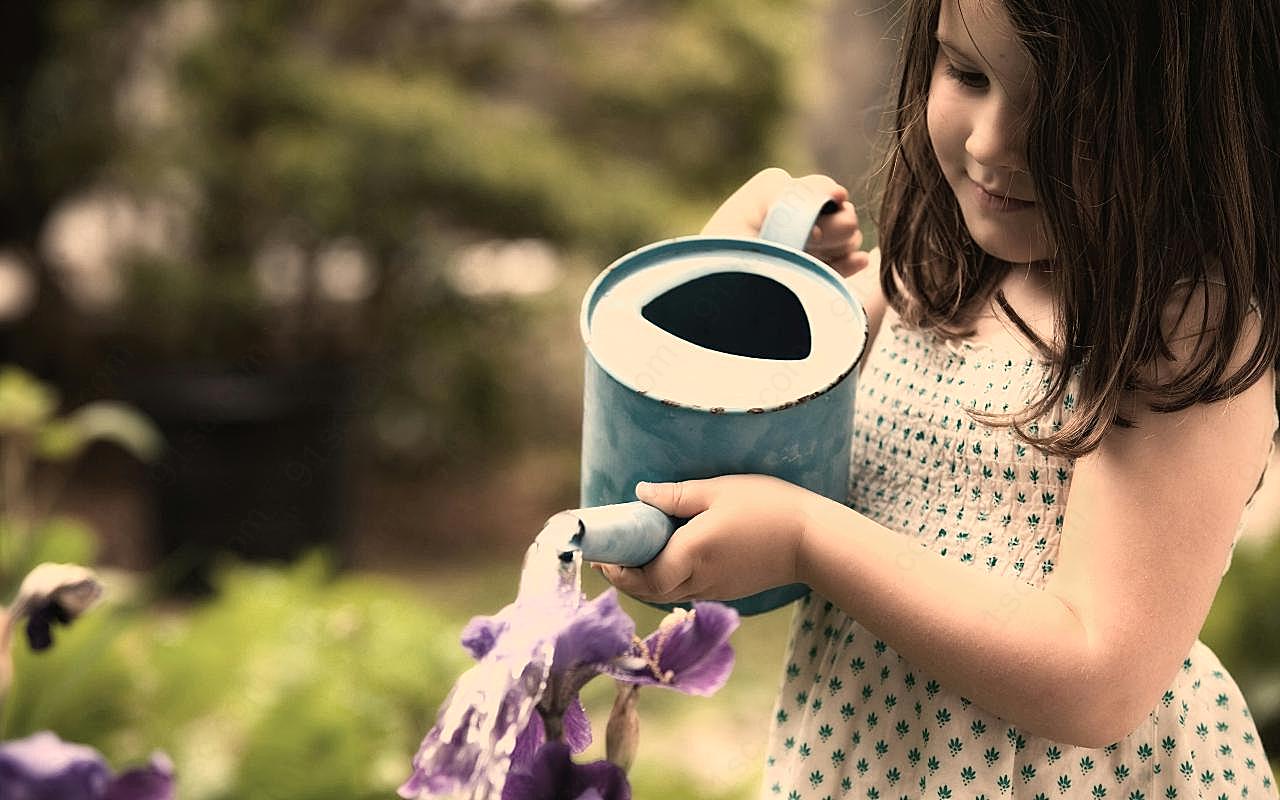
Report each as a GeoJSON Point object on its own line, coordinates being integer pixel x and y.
{"type": "Point", "coordinates": [1194, 325]}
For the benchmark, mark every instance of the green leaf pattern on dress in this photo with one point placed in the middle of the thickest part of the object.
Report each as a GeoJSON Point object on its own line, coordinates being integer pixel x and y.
{"type": "Point", "coordinates": [856, 720]}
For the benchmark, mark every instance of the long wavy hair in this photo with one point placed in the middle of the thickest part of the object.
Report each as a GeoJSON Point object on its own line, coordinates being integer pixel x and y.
{"type": "Point", "coordinates": [1154, 140]}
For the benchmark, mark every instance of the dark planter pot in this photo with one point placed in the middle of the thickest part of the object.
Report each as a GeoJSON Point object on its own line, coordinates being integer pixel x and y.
{"type": "Point", "coordinates": [255, 464]}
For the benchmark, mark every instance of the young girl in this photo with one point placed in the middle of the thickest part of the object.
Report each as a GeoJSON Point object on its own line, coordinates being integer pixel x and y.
{"type": "Point", "coordinates": [1067, 403]}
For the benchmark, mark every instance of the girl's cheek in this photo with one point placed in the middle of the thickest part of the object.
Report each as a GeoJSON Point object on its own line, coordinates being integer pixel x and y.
{"type": "Point", "coordinates": [941, 123]}
{"type": "Point", "coordinates": [947, 117]}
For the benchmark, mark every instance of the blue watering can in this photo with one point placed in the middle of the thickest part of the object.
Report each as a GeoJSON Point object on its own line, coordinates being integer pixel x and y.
{"type": "Point", "coordinates": [710, 356]}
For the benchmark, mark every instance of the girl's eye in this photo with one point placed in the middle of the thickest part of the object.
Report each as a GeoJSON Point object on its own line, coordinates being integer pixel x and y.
{"type": "Point", "coordinates": [973, 80]}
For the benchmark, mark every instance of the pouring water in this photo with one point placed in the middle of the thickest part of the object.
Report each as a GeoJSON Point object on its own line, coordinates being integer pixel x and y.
{"type": "Point", "coordinates": [492, 702]}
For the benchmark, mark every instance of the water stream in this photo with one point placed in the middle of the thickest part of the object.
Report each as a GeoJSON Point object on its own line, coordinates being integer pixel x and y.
{"type": "Point", "coordinates": [491, 703]}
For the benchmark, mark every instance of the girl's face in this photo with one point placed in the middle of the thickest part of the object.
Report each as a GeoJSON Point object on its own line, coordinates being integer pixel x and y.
{"type": "Point", "coordinates": [978, 98]}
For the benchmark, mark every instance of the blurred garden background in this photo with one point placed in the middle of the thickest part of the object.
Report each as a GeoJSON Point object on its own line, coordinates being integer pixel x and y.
{"type": "Point", "coordinates": [334, 253]}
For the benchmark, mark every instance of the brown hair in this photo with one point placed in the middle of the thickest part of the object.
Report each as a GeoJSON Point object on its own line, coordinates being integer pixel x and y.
{"type": "Point", "coordinates": [1155, 142]}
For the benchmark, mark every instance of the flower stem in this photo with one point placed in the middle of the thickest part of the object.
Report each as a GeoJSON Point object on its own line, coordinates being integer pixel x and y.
{"type": "Point", "coordinates": [622, 734]}
{"type": "Point", "coordinates": [6, 662]}
{"type": "Point", "coordinates": [554, 725]}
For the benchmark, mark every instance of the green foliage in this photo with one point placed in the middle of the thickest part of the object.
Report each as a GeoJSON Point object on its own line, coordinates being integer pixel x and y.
{"type": "Point", "coordinates": [300, 684]}
{"type": "Point", "coordinates": [293, 683]}
{"type": "Point", "coordinates": [316, 682]}
{"type": "Point", "coordinates": [27, 418]}
{"type": "Point", "coordinates": [408, 128]}
{"type": "Point", "coordinates": [26, 404]}
{"type": "Point", "coordinates": [79, 688]}
{"type": "Point", "coordinates": [1243, 627]}
{"type": "Point", "coordinates": [32, 436]}
{"type": "Point", "coordinates": [58, 539]}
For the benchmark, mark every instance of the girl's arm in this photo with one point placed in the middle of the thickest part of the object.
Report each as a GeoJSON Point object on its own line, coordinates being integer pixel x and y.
{"type": "Point", "coordinates": [1149, 522]}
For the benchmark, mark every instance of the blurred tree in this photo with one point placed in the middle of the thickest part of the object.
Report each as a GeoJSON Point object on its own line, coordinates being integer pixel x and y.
{"type": "Point", "coordinates": [246, 216]}
{"type": "Point", "coordinates": [283, 182]}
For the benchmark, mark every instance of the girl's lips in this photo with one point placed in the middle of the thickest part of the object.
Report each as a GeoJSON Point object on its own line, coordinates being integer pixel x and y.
{"type": "Point", "coordinates": [998, 202]}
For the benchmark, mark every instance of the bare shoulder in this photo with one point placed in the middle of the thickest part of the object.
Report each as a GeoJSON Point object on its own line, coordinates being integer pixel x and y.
{"type": "Point", "coordinates": [865, 285]}
{"type": "Point", "coordinates": [1226, 441]}
{"type": "Point", "coordinates": [1192, 323]}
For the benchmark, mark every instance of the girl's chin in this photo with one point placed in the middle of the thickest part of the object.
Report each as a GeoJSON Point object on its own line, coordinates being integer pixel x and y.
{"type": "Point", "coordinates": [1015, 246]}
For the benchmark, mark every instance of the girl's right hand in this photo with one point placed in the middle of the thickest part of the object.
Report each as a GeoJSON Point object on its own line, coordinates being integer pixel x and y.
{"type": "Point", "coordinates": [836, 238]}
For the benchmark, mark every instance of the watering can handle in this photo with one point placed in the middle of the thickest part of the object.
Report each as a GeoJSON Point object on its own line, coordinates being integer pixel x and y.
{"type": "Point", "coordinates": [791, 217]}
{"type": "Point", "coordinates": [628, 534]}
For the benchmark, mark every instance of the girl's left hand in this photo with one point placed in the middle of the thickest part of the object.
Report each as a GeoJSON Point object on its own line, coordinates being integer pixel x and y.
{"type": "Point", "coordinates": [742, 538]}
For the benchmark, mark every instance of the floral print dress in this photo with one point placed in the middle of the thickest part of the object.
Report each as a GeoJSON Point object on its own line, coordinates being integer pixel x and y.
{"type": "Point", "coordinates": [856, 720]}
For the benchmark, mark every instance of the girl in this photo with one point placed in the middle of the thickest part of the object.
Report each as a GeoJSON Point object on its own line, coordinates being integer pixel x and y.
{"type": "Point", "coordinates": [1066, 405]}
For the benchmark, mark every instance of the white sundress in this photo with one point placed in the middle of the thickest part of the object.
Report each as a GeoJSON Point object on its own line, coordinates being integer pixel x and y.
{"type": "Point", "coordinates": [854, 719]}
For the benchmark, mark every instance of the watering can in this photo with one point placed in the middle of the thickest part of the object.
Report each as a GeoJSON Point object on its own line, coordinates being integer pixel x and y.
{"type": "Point", "coordinates": [709, 356]}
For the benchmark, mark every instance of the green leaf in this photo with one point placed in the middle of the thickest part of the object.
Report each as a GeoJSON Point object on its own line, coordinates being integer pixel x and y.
{"type": "Point", "coordinates": [120, 424]}
{"type": "Point", "coordinates": [60, 441]}
{"type": "Point", "coordinates": [26, 403]}
{"type": "Point", "coordinates": [60, 540]}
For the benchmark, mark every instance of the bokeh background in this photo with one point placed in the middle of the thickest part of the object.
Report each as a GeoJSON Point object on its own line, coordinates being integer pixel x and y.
{"type": "Point", "coordinates": [334, 252]}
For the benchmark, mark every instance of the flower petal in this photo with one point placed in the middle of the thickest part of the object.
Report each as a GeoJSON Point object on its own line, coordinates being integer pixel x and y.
{"type": "Point", "coordinates": [42, 765]}
{"type": "Point", "coordinates": [441, 767]}
{"type": "Point", "coordinates": [554, 776]}
{"type": "Point", "coordinates": [40, 622]}
{"type": "Point", "coordinates": [699, 652]}
{"type": "Point", "coordinates": [482, 633]}
{"type": "Point", "coordinates": [577, 727]}
{"type": "Point", "coordinates": [152, 782]}
{"type": "Point", "coordinates": [528, 743]}
{"type": "Point", "coordinates": [598, 632]}
{"type": "Point", "coordinates": [49, 594]}
{"type": "Point", "coordinates": [689, 653]}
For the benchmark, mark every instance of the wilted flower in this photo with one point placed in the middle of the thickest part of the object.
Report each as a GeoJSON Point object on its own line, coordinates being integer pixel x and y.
{"type": "Point", "coordinates": [43, 767]}
{"type": "Point", "coordinates": [690, 651]}
{"type": "Point", "coordinates": [50, 594]}
{"type": "Point", "coordinates": [553, 775]}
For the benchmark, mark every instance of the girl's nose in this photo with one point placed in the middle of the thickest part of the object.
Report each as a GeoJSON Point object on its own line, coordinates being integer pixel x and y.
{"type": "Point", "coordinates": [997, 138]}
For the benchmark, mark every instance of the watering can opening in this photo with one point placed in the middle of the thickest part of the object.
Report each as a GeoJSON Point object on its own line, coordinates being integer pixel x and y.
{"type": "Point", "coordinates": [739, 313]}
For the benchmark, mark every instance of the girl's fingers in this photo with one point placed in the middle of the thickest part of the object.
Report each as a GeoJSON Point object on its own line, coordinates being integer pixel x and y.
{"type": "Point", "coordinates": [679, 499]}
{"type": "Point", "coordinates": [660, 581]}
{"type": "Point", "coordinates": [825, 185]}
{"type": "Point", "coordinates": [852, 263]}
{"type": "Point", "coordinates": [837, 240]}
{"type": "Point", "coordinates": [743, 212]}
{"type": "Point", "coordinates": [832, 227]}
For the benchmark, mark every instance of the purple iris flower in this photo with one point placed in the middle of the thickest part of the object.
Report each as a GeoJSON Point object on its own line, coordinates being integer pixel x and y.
{"type": "Point", "coordinates": [43, 767]}
{"type": "Point", "coordinates": [553, 775]}
{"type": "Point", "coordinates": [579, 642]}
{"type": "Point", "coordinates": [558, 655]}
{"type": "Point", "coordinates": [595, 632]}
{"type": "Point", "coordinates": [689, 652]}
{"type": "Point", "coordinates": [576, 732]}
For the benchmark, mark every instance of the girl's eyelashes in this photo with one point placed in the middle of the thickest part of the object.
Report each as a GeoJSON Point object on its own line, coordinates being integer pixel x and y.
{"type": "Point", "coordinates": [972, 80]}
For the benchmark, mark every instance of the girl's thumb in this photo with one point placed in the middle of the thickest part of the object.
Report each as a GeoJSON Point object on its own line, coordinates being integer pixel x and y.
{"type": "Point", "coordinates": [650, 492]}
{"type": "Point", "coordinates": [675, 499]}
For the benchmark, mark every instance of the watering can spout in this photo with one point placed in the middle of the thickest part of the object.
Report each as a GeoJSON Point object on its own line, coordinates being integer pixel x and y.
{"type": "Point", "coordinates": [627, 534]}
